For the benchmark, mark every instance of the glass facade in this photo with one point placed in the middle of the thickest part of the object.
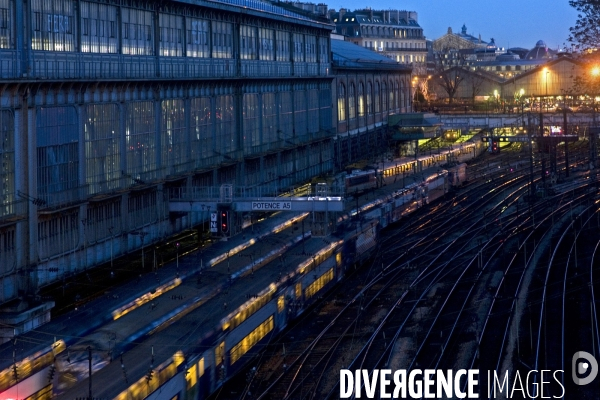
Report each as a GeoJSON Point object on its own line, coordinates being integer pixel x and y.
{"type": "Point", "coordinates": [298, 40]}
{"type": "Point", "coordinates": [99, 33]}
{"type": "Point", "coordinates": [173, 133]}
{"type": "Point", "coordinates": [269, 115]}
{"type": "Point", "coordinates": [6, 25]}
{"type": "Point", "coordinates": [140, 139]}
{"type": "Point", "coordinates": [252, 140]}
{"type": "Point", "coordinates": [248, 43]}
{"type": "Point", "coordinates": [266, 39]}
{"type": "Point", "coordinates": [197, 34]}
{"type": "Point", "coordinates": [313, 110]}
{"type": "Point", "coordinates": [226, 138]}
{"type": "Point", "coordinates": [171, 35]}
{"type": "Point", "coordinates": [102, 147]}
{"type": "Point", "coordinates": [286, 108]}
{"type": "Point", "coordinates": [7, 162]}
{"type": "Point", "coordinates": [283, 45]}
{"type": "Point", "coordinates": [300, 128]}
{"type": "Point", "coordinates": [53, 25]}
{"type": "Point", "coordinates": [57, 150]}
{"type": "Point", "coordinates": [202, 140]}
{"type": "Point", "coordinates": [138, 32]}
{"type": "Point", "coordinates": [311, 48]}
{"type": "Point", "coordinates": [222, 36]}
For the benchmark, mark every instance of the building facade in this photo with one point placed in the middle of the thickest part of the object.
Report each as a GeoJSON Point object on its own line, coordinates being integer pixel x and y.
{"type": "Point", "coordinates": [106, 107]}
{"type": "Point", "coordinates": [368, 88]}
{"type": "Point", "coordinates": [395, 34]}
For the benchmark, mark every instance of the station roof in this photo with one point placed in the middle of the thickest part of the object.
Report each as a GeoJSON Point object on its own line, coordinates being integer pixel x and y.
{"type": "Point", "coordinates": [349, 55]}
{"type": "Point", "coordinates": [262, 9]}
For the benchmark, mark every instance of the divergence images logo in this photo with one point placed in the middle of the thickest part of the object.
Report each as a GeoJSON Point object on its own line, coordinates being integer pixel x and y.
{"type": "Point", "coordinates": [582, 368]}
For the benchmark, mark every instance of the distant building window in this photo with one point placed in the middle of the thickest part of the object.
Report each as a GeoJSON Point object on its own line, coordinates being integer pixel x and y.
{"type": "Point", "coordinates": [341, 102]}
{"type": "Point", "coordinates": [351, 101]}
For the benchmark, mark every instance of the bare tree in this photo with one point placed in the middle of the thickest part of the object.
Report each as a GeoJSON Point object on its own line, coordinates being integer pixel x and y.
{"type": "Point", "coordinates": [449, 72]}
{"type": "Point", "coordinates": [476, 85]}
{"type": "Point", "coordinates": [586, 32]}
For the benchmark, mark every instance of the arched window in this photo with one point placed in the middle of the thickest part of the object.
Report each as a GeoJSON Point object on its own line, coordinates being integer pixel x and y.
{"type": "Point", "coordinates": [397, 94]}
{"type": "Point", "coordinates": [377, 98]}
{"type": "Point", "coordinates": [361, 99]}
{"type": "Point", "coordinates": [384, 97]}
{"type": "Point", "coordinates": [392, 97]}
{"type": "Point", "coordinates": [369, 98]}
{"type": "Point", "coordinates": [402, 94]}
{"type": "Point", "coordinates": [351, 102]}
{"type": "Point", "coordinates": [341, 103]}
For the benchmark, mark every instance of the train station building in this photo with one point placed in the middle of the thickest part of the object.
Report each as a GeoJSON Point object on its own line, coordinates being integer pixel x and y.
{"type": "Point", "coordinates": [108, 108]}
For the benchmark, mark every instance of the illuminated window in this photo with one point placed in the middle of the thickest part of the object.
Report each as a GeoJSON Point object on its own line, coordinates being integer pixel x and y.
{"type": "Point", "coordinates": [318, 284]}
{"type": "Point", "coordinates": [220, 353]}
{"type": "Point", "coordinates": [361, 99]}
{"type": "Point", "coordinates": [191, 376]}
{"type": "Point", "coordinates": [351, 102]}
{"type": "Point", "coordinates": [253, 337]}
{"type": "Point", "coordinates": [341, 103]}
{"type": "Point", "coordinates": [280, 304]}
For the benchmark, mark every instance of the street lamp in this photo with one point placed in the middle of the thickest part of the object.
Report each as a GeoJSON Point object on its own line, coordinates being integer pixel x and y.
{"type": "Point", "coordinates": [546, 75]}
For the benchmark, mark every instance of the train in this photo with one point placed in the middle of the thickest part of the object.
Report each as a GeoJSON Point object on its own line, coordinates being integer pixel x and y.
{"type": "Point", "coordinates": [198, 371]}
{"type": "Point", "coordinates": [360, 181]}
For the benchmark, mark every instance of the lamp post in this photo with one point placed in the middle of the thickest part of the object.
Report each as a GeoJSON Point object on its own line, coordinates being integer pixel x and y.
{"type": "Point", "coordinates": [546, 71]}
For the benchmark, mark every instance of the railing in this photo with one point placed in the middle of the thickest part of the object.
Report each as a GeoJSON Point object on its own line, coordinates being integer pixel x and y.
{"type": "Point", "coordinates": [69, 65]}
{"type": "Point", "coordinates": [69, 196]}
{"type": "Point", "coordinates": [213, 193]}
{"type": "Point", "coordinates": [13, 208]}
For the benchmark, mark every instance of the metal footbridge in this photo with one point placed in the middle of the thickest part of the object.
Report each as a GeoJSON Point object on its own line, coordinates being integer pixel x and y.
{"type": "Point", "coordinates": [318, 198]}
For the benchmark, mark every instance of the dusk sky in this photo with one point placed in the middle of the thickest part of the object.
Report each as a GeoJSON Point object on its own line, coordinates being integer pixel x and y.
{"type": "Point", "coordinates": [511, 23]}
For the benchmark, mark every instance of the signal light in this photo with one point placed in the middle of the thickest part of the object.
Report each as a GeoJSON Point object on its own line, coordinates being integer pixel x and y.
{"type": "Point", "coordinates": [224, 221]}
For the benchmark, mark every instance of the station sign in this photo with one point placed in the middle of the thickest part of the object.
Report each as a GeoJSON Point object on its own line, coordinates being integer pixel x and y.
{"type": "Point", "coordinates": [271, 206]}
{"type": "Point", "coordinates": [213, 222]}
